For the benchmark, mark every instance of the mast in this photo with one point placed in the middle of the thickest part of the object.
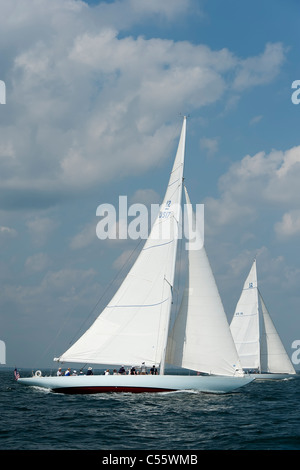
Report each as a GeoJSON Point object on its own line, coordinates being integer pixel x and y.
{"type": "Point", "coordinates": [258, 316]}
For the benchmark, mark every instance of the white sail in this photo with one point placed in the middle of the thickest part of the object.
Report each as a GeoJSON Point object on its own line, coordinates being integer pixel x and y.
{"type": "Point", "coordinates": [133, 328]}
{"type": "Point", "coordinates": [245, 323]}
{"type": "Point", "coordinates": [274, 358]}
{"type": "Point", "coordinates": [258, 343]}
{"type": "Point", "coordinates": [200, 339]}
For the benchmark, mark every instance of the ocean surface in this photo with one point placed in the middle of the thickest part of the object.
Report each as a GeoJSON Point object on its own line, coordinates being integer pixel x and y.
{"type": "Point", "coordinates": [260, 416]}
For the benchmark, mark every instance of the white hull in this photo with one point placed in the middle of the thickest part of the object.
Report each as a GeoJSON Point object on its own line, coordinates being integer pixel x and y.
{"type": "Point", "coordinates": [270, 376]}
{"type": "Point", "coordinates": [137, 383]}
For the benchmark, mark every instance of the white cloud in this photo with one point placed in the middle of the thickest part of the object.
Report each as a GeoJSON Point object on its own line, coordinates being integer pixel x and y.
{"type": "Point", "coordinates": [211, 145]}
{"type": "Point", "coordinates": [168, 8]}
{"type": "Point", "coordinates": [270, 268]}
{"type": "Point", "coordinates": [37, 262]}
{"type": "Point", "coordinates": [40, 229]}
{"type": "Point", "coordinates": [260, 69]}
{"type": "Point", "coordinates": [49, 300]}
{"type": "Point", "coordinates": [145, 196]}
{"type": "Point", "coordinates": [255, 120]}
{"type": "Point", "coordinates": [256, 189]}
{"type": "Point", "coordinates": [291, 162]}
{"type": "Point", "coordinates": [289, 226]}
{"type": "Point", "coordinates": [7, 232]}
{"type": "Point", "coordinates": [85, 237]}
{"type": "Point", "coordinates": [85, 100]}
{"type": "Point", "coordinates": [6, 148]}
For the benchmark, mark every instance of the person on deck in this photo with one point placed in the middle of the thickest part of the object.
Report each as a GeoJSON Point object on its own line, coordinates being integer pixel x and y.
{"type": "Point", "coordinates": [153, 370]}
{"type": "Point", "coordinates": [89, 371]}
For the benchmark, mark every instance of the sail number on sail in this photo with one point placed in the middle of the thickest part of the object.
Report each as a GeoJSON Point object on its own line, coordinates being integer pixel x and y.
{"type": "Point", "coordinates": [166, 213]}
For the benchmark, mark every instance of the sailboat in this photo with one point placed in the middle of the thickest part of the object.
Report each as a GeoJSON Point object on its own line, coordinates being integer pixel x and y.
{"type": "Point", "coordinates": [257, 341]}
{"type": "Point", "coordinates": [134, 327]}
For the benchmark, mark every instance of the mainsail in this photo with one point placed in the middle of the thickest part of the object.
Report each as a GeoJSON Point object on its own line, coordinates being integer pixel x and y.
{"type": "Point", "coordinates": [200, 339]}
{"type": "Point", "coordinates": [133, 327]}
{"type": "Point", "coordinates": [258, 343]}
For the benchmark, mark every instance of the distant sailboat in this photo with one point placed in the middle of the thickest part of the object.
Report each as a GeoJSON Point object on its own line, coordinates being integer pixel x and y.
{"type": "Point", "coordinates": [134, 327]}
{"type": "Point", "coordinates": [258, 344]}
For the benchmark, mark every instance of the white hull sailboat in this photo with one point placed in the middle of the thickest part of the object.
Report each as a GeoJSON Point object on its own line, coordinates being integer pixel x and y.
{"type": "Point", "coordinates": [134, 327]}
{"type": "Point", "coordinates": [90, 384]}
{"type": "Point", "coordinates": [258, 344]}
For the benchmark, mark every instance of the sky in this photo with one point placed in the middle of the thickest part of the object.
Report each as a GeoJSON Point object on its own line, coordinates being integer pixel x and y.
{"type": "Point", "coordinates": [95, 93]}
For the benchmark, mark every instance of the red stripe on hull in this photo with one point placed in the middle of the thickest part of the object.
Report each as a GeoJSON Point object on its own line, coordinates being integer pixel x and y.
{"type": "Point", "coordinates": [90, 390]}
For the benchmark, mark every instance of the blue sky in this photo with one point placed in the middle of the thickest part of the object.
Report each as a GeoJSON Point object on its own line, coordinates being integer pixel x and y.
{"type": "Point", "coordinates": [95, 92]}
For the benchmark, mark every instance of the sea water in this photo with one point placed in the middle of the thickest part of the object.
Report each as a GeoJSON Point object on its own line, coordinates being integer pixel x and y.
{"type": "Point", "coordinates": [259, 416]}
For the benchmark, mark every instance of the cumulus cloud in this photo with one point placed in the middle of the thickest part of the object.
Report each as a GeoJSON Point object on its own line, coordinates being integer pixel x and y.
{"type": "Point", "coordinates": [37, 262]}
{"type": "Point", "coordinates": [168, 8]}
{"type": "Point", "coordinates": [211, 145]}
{"type": "Point", "coordinates": [261, 69]}
{"type": "Point", "coordinates": [145, 196]}
{"type": "Point", "coordinates": [289, 226]}
{"type": "Point", "coordinates": [265, 184]}
{"type": "Point", "coordinates": [255, 120]}
{"type": "Point", "coordinates": [7, 232]}
{"type": "Point", "coordinates": [85, 237]}
{"type": "Point", "coordinates": [47, 303]}
{"type": "Point", "coordinates": [40, 229]}
{"type": "Point", "coordinates": [84, 99]}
